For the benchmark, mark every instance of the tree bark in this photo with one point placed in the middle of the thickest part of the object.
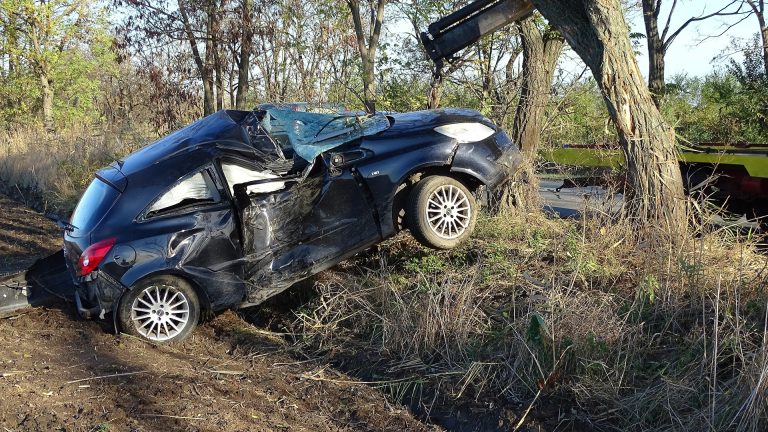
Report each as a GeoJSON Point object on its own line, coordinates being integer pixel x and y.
{"type": "Point", "coordinates": [214, 36]}
{"type": "Point", "coordinates": [656, 51]}
{"type": "Point", "coordinates": [435, 91]}
{"type": "Point", "coordinates": [597, 31]}
{"type": "Point", "coordinates": [47, 93]}
{"type": "Point", "coordinates": [203, 66]}
{"type": "Point", "coordinates": [243, 66]}
{"type": "Point", "coordinates": [209, 68]}
{"type": "Point", "coordinates": [758, 7]}
{"type": "Point", "coordinates": [764, 36]}
{"type": "Point", "coordinates": [540, 55]}
{"type": "Point", "coordinates": [367, 45]}
{"type": "Point", "coordinates": [764, 39]}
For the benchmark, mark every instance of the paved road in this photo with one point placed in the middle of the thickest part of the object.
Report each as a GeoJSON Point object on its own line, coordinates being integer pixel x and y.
{"type": "Point", "coordinates": [571, 202]}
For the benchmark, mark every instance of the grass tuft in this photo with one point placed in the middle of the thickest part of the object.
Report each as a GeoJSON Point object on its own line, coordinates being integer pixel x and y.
{"type": "Point", "coordinates": [638, 333]}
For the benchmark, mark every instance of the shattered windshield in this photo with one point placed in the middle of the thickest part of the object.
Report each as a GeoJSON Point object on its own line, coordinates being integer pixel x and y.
{"type": "Point", "coordinates": [310, 134]}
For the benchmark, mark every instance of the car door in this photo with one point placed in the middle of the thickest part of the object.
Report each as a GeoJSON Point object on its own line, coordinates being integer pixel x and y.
{"type": "Point", "coordinates": [296, 226]}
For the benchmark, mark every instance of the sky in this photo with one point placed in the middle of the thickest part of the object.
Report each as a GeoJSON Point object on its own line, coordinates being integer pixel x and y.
{"type": "Point", "coordinates": [692, 52]}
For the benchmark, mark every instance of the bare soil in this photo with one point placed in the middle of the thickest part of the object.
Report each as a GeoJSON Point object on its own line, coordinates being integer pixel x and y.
{"type": "Point", "coordinates": [61, 373]}
{"type": "Point", "coordinates": [25, 235]}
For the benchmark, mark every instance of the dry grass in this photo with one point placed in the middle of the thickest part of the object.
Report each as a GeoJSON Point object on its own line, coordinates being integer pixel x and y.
{"type": "Point", "coordinates": [636, 332]}
{"type": "Point", "coordinates": [50, 171]}
{"type": "Point", "coordinates": [639, 334]}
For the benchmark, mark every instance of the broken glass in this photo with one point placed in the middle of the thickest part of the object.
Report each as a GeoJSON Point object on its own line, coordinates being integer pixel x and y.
{"type": "Point", "coordinates": [309, 134]}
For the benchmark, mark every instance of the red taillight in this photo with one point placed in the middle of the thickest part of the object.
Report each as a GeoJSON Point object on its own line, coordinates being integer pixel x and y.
{"type": "Point", "coordinates": [93, 255]}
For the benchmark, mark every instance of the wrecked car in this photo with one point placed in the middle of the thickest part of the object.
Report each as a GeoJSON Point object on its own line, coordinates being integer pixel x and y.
{"type": "Point", "coordinates": [240, 205]}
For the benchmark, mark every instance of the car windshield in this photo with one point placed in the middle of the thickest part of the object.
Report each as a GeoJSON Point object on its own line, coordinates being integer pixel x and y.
{"type": "Point", "coordinates": [310, 134]}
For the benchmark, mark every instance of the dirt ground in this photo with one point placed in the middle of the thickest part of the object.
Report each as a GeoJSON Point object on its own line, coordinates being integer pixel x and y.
{"type": "Point", "coordinates": [61, 373]}
{"type": "Point", "coordinates": [25, 235]}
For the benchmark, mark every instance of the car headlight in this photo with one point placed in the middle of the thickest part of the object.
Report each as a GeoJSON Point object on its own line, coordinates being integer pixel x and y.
{"type": "Point", "coordinates": [466, 132]}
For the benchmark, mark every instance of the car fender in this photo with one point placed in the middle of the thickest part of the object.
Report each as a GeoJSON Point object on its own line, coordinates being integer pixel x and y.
{"type": "Point", "coordinates": [202, 293]}
{"type": "Point", "coordinates": [384, 175]}
{"type": "Point", "coordinates": [179, 254]}
{"type": "Point", "coordinates": [485, 162]}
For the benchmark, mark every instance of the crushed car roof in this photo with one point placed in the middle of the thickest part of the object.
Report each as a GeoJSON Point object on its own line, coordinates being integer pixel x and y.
{"type": "Point", "coordinates": [310, 134]}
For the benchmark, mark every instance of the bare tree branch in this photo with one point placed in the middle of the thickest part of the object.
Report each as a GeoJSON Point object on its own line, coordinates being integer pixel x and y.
{"type": "Point", "coordinates": [720, 12]}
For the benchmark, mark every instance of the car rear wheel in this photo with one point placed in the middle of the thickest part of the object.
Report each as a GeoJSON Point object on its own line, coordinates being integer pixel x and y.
{"type": "Point", "coordinates": [161, 309]}
{"type": "Point", "coordinates": [441, 212]}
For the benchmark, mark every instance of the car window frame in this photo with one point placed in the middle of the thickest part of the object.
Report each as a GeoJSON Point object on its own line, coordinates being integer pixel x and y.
{"type": "Point", "coordinates": [208, 171]}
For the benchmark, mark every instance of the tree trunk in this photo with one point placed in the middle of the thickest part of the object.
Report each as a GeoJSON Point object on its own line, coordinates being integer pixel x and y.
{"type": "Point", "coordinates": [203, 66]}
{"type": "Point", "coordinates": [435, 91]}
{"type": "Point", "coordinates": [764, 37]}
{"type": "Point", "coordinates": [47, 93]}
{"type": "Point", "coordinates": [211, 54]}
{"type": "Point", "coordinates": [540, 55]}
{"type": "Point", "coordinates": [597, 31]}
{"type": "Point", "coordinates": [367, 45]}
{"type": "Point", "coordinates": [214, 37]}
{"type": "Point", "coordinates": [656, 52]}
{"type": "Point", "coordinates": [218, 69]}
{"type": "Point", "coordinates": [12, 42]}
{"type": "Point", "coordinates": [246, 44]}
{"type": "Point", "coordinates": [369, 86]}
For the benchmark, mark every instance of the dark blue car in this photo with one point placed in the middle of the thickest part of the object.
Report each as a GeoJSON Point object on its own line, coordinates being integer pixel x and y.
{"type": "Point", "coordinates": [240, 205]}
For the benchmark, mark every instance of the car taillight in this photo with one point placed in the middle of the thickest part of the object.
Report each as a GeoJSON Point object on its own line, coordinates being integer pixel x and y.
{"type": "Point", "coordinates": [93, 255]}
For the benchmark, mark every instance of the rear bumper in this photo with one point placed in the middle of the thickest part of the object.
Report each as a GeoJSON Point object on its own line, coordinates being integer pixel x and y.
{"type": "Point", "coordinates": [97, 294]}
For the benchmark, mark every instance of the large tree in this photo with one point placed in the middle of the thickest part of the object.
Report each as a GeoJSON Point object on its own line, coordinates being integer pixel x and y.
{"type": "Point", "coordinates": [56, 51]}
{"type": "Point", "coordinates": [598, 32]}
{"type": "Point", "coordinates": [368, 35]}
{"type": "Point", "coordinates": [542, 46]}
{"type": "Point", "coordinates": [243, 60]}
{"type": "Point", "coordinates": [198, 25]}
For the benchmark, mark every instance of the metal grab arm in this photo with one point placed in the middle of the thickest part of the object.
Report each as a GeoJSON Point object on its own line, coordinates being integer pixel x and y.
{"type": "Point", "coordinates": [449, 35]}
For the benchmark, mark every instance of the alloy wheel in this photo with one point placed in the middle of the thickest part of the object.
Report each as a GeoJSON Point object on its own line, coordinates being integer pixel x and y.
{"type": "Point", "coordinates": [448, 212]}
{"type": "Point", "coordinates": [160, 312]}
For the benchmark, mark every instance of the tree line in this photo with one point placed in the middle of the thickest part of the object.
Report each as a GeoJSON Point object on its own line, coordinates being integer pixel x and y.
{"type": "Point", "coordinates": [165, 62]}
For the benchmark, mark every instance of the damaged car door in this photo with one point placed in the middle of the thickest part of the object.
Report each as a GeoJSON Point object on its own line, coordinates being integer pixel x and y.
{"type": "Point", "coordinates": [295, 226]}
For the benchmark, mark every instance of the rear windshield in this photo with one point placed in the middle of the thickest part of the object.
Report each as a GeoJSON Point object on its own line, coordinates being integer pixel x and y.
{"type": "Point", "coordinates": [95, 202]}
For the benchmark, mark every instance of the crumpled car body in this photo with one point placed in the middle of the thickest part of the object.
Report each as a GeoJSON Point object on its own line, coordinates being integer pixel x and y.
{"type": "Point", "coordinates": [244, 204]}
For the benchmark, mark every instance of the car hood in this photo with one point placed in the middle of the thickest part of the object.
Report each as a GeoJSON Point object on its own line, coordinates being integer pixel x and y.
{"type": "Point", "coordinates": [429, 119]}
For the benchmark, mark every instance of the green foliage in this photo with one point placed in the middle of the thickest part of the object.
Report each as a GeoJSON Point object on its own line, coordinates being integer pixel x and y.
{"type": "Point", "coordinates": [65, 42]}
{"type": "Point", "coordinates": [80, 75]}
{"type": "Point", "coordinates": [729, 105]}
{"type": "Point", "coordinates": [579, 116]}
{"type": "Point", "coordinates": [537, 333]}
{"type": "Point", "coordinates": [582, 259]}
{"type": "Point", "coordinates": [538, 240]}
{"type": "Point", "coordinates": [431, 262]}
{"type": "Point", "coordinates": [649, 286]}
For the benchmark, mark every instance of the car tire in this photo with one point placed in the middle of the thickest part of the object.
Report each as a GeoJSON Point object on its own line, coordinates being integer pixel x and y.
{"type": "Point", "coordinates": [161, 309]}
{"type": "Point", "coordinates": [441, 212]}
